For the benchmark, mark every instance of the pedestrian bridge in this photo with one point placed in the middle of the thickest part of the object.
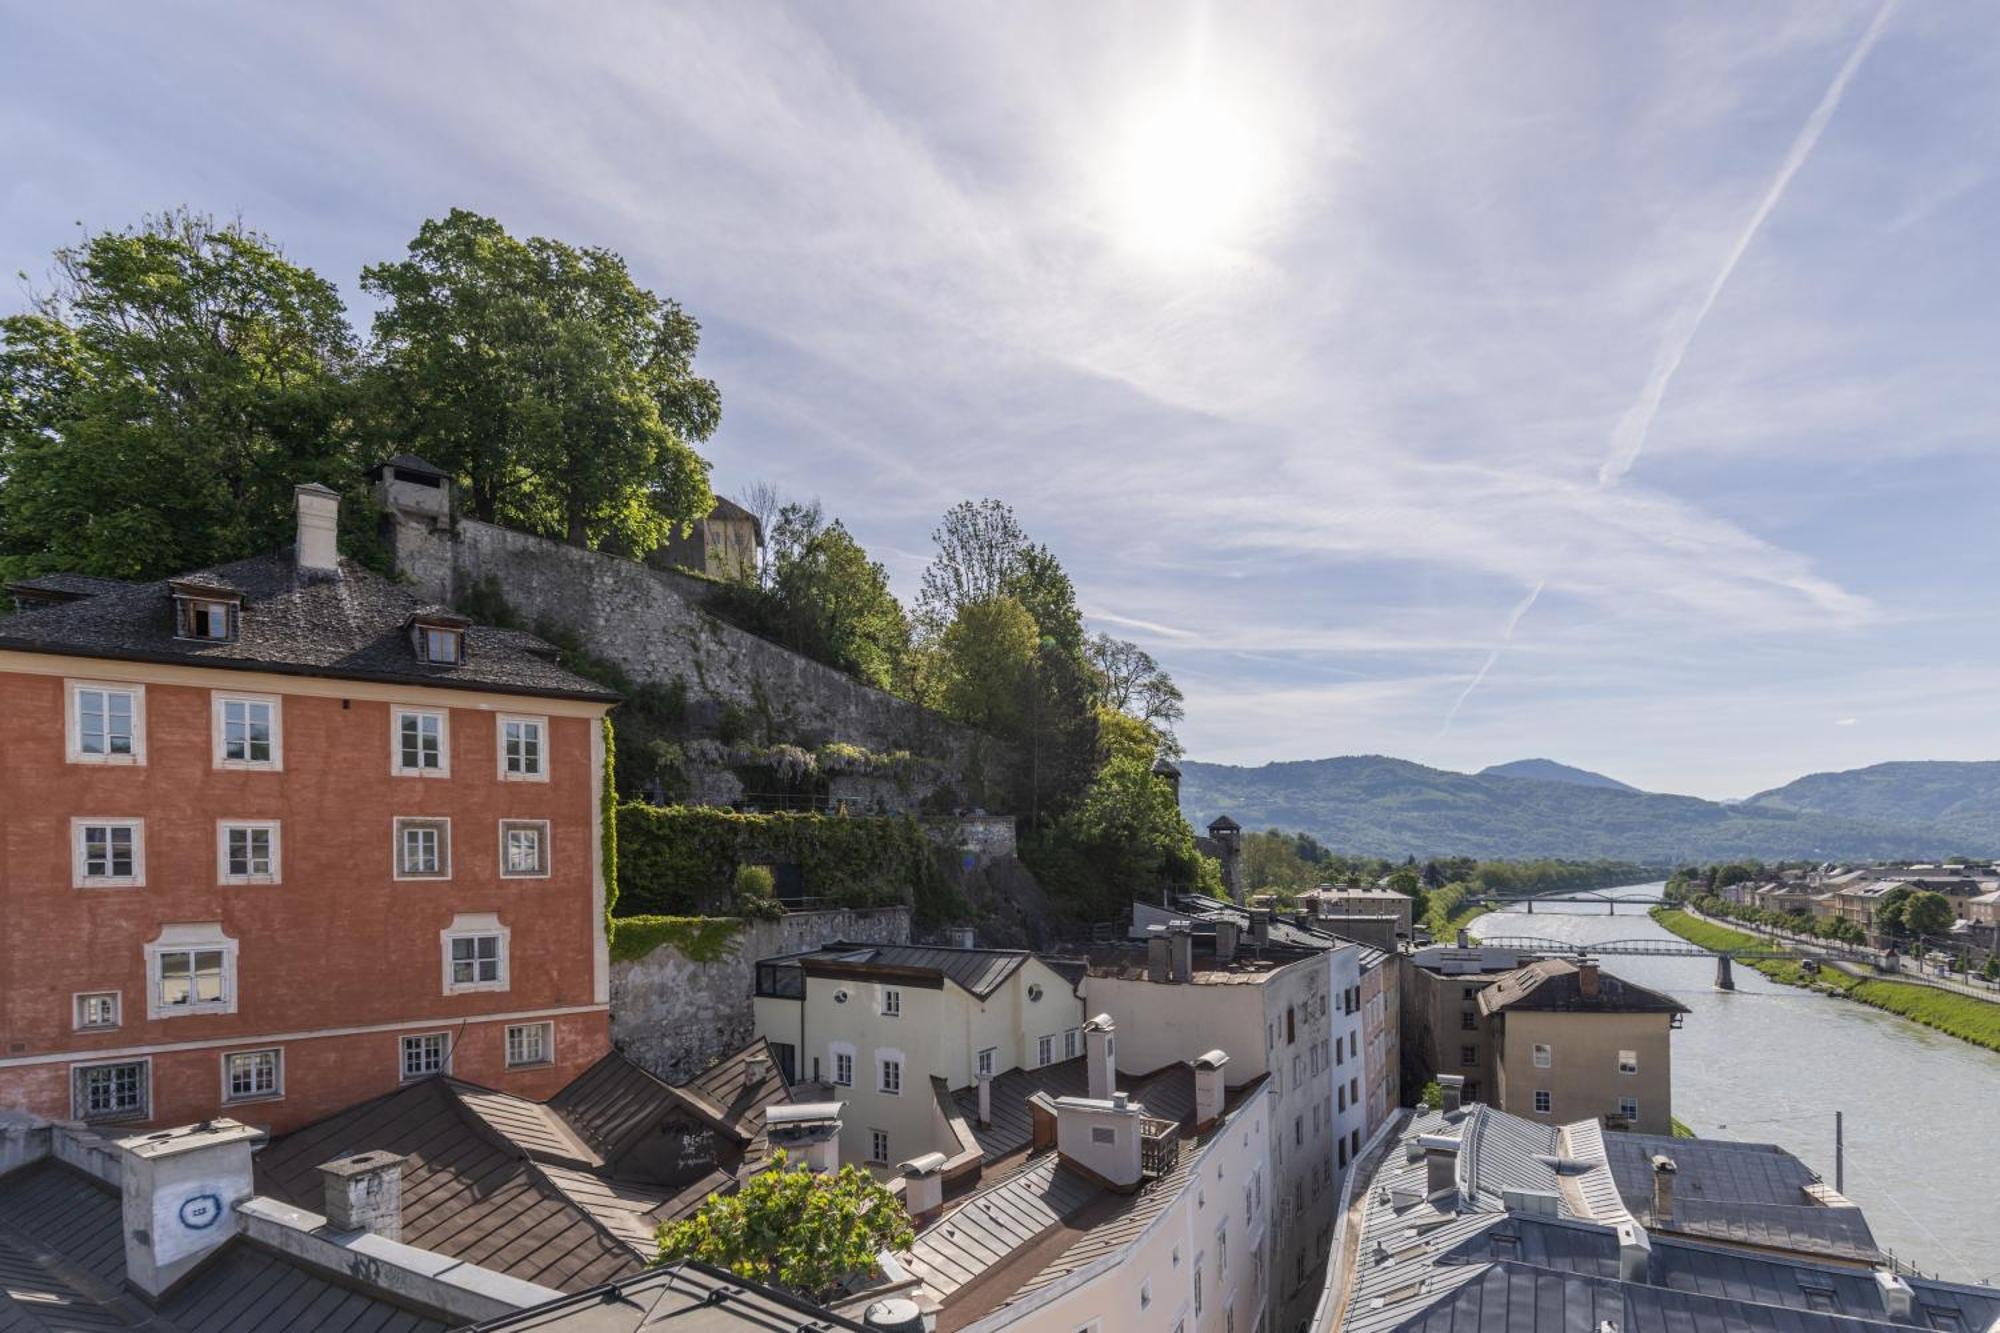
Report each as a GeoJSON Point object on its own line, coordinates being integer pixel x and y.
{"type": "Point", "coordinates": [1639, 948]}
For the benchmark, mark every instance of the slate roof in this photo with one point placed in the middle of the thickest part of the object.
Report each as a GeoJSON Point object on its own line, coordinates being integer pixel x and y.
{"type": "Point", "coordinates": [350, 628]}
{"type": "Point", "coordinates": [62, 1269]}
{"type": "Point", "coordinates": [72, 586]}
{"type": "Point", "coordinates": [1554, 985]}
{"type": "Point", "coordinates": [686, 1297]}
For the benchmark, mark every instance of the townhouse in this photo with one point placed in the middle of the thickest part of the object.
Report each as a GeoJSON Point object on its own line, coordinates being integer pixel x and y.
{"type": "Point", "coordinates": [276, 838]}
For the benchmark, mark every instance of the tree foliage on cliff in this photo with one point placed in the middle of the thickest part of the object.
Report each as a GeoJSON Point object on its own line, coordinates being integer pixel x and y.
{"type": "Point", "coordinates": [800, 1230]}
{"type": "Point", "coordinates": [161, 400]}
{"type": "Point", "coordinates": [560, 392]}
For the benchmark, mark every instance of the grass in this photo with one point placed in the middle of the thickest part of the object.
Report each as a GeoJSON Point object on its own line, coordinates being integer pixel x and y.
{"type": "Point", "coordinates": [1681, 1131]}
{"type": "Point", "coordinates": [1443, 930]}
{"type": "Point", "coordinates": [1961, 1016]}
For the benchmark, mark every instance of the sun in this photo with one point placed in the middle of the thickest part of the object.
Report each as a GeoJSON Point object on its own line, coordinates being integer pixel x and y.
{"type": "Point", "coordinates": [1187, 178]}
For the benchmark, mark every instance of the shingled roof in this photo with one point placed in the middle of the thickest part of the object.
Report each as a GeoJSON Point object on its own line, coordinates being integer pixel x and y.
{"type": "Point", "coordinates": [354, 627]}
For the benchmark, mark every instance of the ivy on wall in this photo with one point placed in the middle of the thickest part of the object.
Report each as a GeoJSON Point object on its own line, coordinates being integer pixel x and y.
{"type": "Point", "coordinates": [681, 860]}
{"type": "Point", "coordinates": [608, 816]}
{"type": "Point", "coordinates": [700, 939]}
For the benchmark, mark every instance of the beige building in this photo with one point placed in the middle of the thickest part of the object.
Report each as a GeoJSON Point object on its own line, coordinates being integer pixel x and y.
{"type": "Point", "coordinates": [1444, 1030]}
{"type": "Point", "coordinates": [1570, 1041]}
{"type": "Point", "coordinates": [727, 544]}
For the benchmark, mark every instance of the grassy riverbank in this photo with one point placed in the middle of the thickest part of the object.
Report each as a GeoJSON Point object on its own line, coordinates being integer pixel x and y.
{"type": "Point", "coordinates": [1961, 1016]}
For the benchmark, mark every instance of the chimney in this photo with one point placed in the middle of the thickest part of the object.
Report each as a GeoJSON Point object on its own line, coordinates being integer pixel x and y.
{"type": "Point", "coordinates": [317, 551]}
{"type": "Point", "coordinates": [1635, 1253]}
{"type": "Point", "coordinates": [985, 1101]}
{"type": "Point", "coordinates": [1898, 1300]}
{"type": "Point", "coordinates": [1464, 938]}
{"type": "Point", "coordinates": [923, 1186]}
{"type": "Point", "coordinates": [181, 1188]}
{"type": "Point", "coordinates": [1159, 957]}
{"type": "Point", "coordinates": [808, 1131]}
{"type": "Point", "coordinates": [1226, 933]}
{"type": "Point", "coordinates": [1209, 1092]}
{"type": "Point", "coordinates": [1180, 941]}
{"type": "Point", "coordinates": [895, 1314]}
{"type": "Point", "coordinates": [1100, 1051]}
{"type": "Point", "coordinates": [1586, 978]}
{"type": "Point", "coordinates": [364, 1192]}
{"type": "Point", "coordinates": [1260, 926]}
{"type": "Point", "coordinates": [1101, 1137]}
{"type": "Point", "coordinates": [1452, 1086]}
{"type": "Point", "coordinates": [1664, 1171]}
{"type": "Point", "coordinates": [1440, 1162]}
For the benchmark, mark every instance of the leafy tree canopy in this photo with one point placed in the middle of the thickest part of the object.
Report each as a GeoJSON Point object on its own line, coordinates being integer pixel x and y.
{"type": "Point", "coordinates": [989, 654]}
{"type": "Point", "coordinates": [794, 1229]}
{"type": "Point", "coordinates": [1928, 913]}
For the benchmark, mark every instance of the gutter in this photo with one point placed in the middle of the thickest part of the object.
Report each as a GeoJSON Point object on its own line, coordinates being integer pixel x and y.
{"type": "Point", "coordinates": [1331, 1309]}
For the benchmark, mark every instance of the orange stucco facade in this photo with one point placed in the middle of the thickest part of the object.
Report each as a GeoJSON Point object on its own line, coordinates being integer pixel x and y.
{"type": "Point", "coordinates": [339, 958]}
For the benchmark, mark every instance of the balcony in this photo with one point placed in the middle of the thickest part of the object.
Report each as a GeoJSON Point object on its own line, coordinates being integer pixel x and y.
{"type": "Point", "coordinates": [1159, 1146]}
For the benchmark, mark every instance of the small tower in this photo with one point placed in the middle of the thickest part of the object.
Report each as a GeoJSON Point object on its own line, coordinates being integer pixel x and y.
{"type": "Point", "coordinates": [1169, 772]}
{"type": "Point", "coordinates": [415, 498]}
{"type": "Point", "coordinates": [1228, 835]}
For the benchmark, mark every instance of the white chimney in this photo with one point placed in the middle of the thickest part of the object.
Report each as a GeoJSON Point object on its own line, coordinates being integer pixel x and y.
{"type": "Point", "coordinates": [1452, 1088]}
{"type": "Point", "coordinates": [1180, 941]}
{"type": "Point", "coordinates": [1898, 1299]}
{"type": "Point", "coordinates": [1101, 1137]}
{"type": "Point", "coordinates": [1440, 1162]}
{"type": "Point", "coordinates": [1635, 1253]}
{"type": "Point", "coordinates": [1209, 1091]}
{"type": "Point", "coordinates": [319, 525]}
{"type": "Point", "coordinates": [1664, 1172]}
{"type": "Point", "coordinates": [808, 1131]}
{"type": "Point", "coordinates": [1100, 1057]}
{"type": "Point", "coordinates": [1226, 932]}
{"type": "Point", "coordinates": [923, 1186]}
{"type": "Point", "coordinates": [181, 1188]}
{"type": "Point", "coordinates": [985, 1100]}
{"type": "Point", "coordinates": [364, 1192]}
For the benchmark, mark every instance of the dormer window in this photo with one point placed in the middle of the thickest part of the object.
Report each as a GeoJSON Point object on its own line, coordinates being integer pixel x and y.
{"type": "Point", "coordinates": [439, 638]}
{"type": "Point", "coordinates": [206, 614]}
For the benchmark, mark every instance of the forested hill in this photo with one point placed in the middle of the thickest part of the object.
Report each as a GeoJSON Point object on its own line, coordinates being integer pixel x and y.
{"type": "Point", "coordinates": [1373, 805]}
{"type": "Point", "coordinates": [1963, 799]}
{"type": "Point", "coordinates": [1548, 770]}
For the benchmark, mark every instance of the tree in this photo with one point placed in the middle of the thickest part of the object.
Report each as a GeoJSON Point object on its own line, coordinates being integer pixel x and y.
{"type": "Point", "coordinates": [1928, 913]}
{"type": "Point", "coordinates": [1134, 683]}
{"type": "Point", "coordinates": [831, 601]}
{"type": "Point", "coordinates": [1889, 918]}
{"type": "Point", "coordinates": [988, 655]}
{"type": "Point", "coordinates": [794, 1229]}
{"type": "Point", "coordinates": [979, 555]}
{"type": "Point", "coordinates": [158, 405]}
{"type": "Point", "coordinates": [558, 391]}
{"type": "Point", "coordinates": [763, 500]}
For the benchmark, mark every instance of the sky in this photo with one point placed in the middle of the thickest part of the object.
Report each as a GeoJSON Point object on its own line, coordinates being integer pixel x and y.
{"type": "Point", "coordinates": [1462, 382]}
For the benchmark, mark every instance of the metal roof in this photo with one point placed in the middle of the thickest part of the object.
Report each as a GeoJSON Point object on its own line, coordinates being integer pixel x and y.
{"type": "Point", "coordinates": [686, 1297]}
{"type": "Point", "coordinates": [1753, 1193]}
{"type": "Point", "coordinates": [1166, 1093]}
{"type": "Point", "coordinates": [979, 971]}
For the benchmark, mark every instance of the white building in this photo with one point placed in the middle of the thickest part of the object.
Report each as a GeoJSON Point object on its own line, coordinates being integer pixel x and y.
{"type": "Point", "coordinates": [893, 1030]}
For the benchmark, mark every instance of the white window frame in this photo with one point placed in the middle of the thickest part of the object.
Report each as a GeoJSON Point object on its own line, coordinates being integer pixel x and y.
{"type": "Point", "coordinates": [890, 1002]}
{"type": "Point", "coordinates": [548, 1055]}
{"type": "Point", "coordinates": [983, 1062]}
{"type": "Point", "coordinates": [1545, 1102]}
{"type": "Point", "coordinates": [396, 716]}
{"type": "Point", "coordinates": [1545, 1056]}
{"type": "Point", "coordinates": [541, 826]}
{"type": "Point", "coordinates": [223, 828]}
{"type": "Point", "coordinates": [883, 1060]}
{"type": "Point", "coordinates": [277, 1092]}
{"type": "Point", "coordinates": [73, 722]}
{"type": "Point", "coordinates": [835, 1052]}
{"type": "Point", "coordinates": [78, 879]}
{"type": "Point", "coordinates": [1633, 1103]}
{"type": "Point", "coordinates": [443, 826]}
{"type": "Point", "coordinates": [1628, 1063]}
{"type": "Point", "coordinates": [878, 1146]}
{"type": "Point", "coordinates": [219, 702]}
{"type": "Point", "coordinates": [190, 938]}
{"type": "Point", "coordinates": [76, 1003]}
{"type": "Point", "coordinates": [453, 635]}
{"type": "Point", "coordinates": [403, 1073]}
{"type": "Point", "coordinates": [541, 724]}
{"type": "Point", "coordinates": [477, 926]}
{"type": "Point", "coordinates": [143, 1112]}
{"type": "Point", "coordinates": [1072, 1043]}
{"type": "Point", "coordinates": [1045, 1050]}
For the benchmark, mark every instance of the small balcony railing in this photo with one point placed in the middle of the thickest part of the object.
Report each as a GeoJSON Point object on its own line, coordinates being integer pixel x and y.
{"type": "Point", "coordinates": [1159, 1146]}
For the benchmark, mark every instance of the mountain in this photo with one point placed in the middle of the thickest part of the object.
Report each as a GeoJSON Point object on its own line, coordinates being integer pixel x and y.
{"type": "Point", "coordinates": [1548, 770]}
{"type": "Point", "coordinates": [1372, 805]}
{"type": "Point", "coordinates": [1963, 799]}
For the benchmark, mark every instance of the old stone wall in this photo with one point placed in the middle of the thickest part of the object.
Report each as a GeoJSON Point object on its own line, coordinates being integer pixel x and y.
{"type": "Point", "coordinates": [675, 1016]}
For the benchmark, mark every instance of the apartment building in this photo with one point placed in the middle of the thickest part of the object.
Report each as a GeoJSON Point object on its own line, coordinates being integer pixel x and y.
{"type": "Point", "coordinates": [1287, 1004]}
{"type": "Point", "coordinates": [893, 1030]}
{"type": "Point", "coordinates": [279, 838]}
{"type": "Point", "coordinates": [1444, 1030]}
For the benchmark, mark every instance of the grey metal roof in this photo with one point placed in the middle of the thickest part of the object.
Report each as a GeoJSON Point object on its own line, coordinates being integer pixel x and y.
{"type": "Point", "coordinates": [685, 1297]}
{"type": "Point", "coordinates": [1752, 1193]}
{"type": "Point", "coordinates": [979, 971]}
{"type": "Point", "coordinates": [989, 1226]}
{"type": "Point", "coordinates": [1555, 984]}
{"type": "Point", "coordinates": [1165, 1093]}
{"type": "Point", "coordinates": [351, 628]}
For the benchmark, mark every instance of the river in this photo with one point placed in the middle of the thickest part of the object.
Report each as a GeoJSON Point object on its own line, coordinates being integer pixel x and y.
{"type": "Point", "coordinates": [1770, 1064]}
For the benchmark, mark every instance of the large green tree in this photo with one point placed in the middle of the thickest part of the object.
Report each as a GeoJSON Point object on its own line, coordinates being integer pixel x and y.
{"type": "Point", "coordinates": [161, 400]}
{"type": "Point", "coordinates": [794, 1229]}
{"type": "Point", "coordinates": [560, 392]}
{"type": "Point", "coordinates": [989, 654]}
{"type": "Point", "coordinates": [829, 600]}
{"type": "Point", "coordinates": [1928, 913]}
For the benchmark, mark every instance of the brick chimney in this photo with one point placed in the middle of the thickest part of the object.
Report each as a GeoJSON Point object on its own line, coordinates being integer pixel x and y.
{"type": "Point", "coordinates": [364, 1192]}
{"type": "Point", "coordinates": [1664, 1172]}
{"type": "Point", "coordinates": [1587, 978]}
{"type": "Point", "coordinates": [317, 551]}
{"type": "Point", "coordinates": [1180, 944]}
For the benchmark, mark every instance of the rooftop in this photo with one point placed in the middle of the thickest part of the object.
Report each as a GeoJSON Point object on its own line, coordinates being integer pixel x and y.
{"type": "Point", "coordinates": [1556, 985]}
{"type": "Point", "coordinates": [686, 1297]}
{"type": "Point", "coordinates": [980, 972]}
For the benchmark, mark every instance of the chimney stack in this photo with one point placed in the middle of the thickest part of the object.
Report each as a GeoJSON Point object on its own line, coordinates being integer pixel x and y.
{"type": "Point", "coordinates": [1102, 1137]}
{"type": "Point", "coordinates": [364, 1192]}
{"type": "Point", "coordinates": [985, 1101]}
{"type": "Point", "coordinates": [1635, 1253]}
{"type": "Point", "coordinates": [318, 550]}
{"type": "Point", "coordinates": [1898, 1299]}
{"type": "Point", "coordinates": [1260, 926]}
{"type": "Point", "coordinates": [1226, 934]}
{"type": "Point", "coordinates": [1587, 978]}
{"type": "Point", "coordinates": [1664, 1171]}
{"type": "Point", "coordinates": [1440, 1162]}
{"type": "Point", "coordinates": [1159, 957]}
{"type": "Point", "coordinates": [1100, 1049]}
{"type": "Point", "coordinates": [1209, 1090]}
{"type": "Point", "coordinates": [1464, 938]}
{"type": "Point", "coordinates": [181, 1188]}
{"type": "Point", "coordinates": [923, 1186]}
{"type": "Point", "coordinates": [1452, 1087]}
{"type": "Point", "coordinates": [808, 1131]}
{"type": "Point", "coordinates": [1180, 941]}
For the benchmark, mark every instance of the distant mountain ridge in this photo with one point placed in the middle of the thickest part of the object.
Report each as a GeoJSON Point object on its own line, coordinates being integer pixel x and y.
{"type": "Point", "coordinates": [1548, 770]}
{"type": "Point", "coordinates": [1378, 806]}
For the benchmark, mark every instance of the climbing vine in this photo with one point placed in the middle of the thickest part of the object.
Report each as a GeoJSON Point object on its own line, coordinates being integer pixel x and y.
{"type": "Point", "coordinates": [700, 939]}
{"type": "Point", "coordinates": [608, 817]}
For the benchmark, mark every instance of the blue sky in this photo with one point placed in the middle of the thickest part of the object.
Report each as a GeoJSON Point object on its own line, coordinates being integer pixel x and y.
{"type": "Point", "coordinates": [1314, 339]}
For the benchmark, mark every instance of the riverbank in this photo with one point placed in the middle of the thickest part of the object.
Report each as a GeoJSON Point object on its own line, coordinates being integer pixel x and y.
{"type": "Point", "coordinates": [1975, 1021]}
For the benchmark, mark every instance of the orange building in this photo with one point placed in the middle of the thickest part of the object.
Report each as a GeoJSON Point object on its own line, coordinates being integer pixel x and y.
{"type": "Point", "coordinates": [274, 838]}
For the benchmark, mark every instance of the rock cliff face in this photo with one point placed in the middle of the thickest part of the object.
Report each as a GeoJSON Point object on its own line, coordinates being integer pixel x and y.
{"type": "Point", "coordinates": [893, 754]}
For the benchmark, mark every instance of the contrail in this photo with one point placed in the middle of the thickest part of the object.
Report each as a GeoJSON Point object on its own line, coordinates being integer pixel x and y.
{"type": "Point", "coordinates": [1628, 439]}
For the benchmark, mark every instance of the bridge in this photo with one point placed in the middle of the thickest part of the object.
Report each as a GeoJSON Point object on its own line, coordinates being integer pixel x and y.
{"type": "Point", "coordinates": [1725, 978]}
{"type": "Point", "coordinates": [1610, 901]}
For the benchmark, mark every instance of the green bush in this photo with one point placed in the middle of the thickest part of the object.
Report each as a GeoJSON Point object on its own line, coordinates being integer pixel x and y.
{"type": "Point", "coordinates": [756, 895]}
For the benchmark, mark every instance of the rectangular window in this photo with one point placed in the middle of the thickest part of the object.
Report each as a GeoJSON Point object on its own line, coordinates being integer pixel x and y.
{"type": "Point", "coordinates": [420, 742]}
{"type": "Point", "coordinates": [524, 848]}
{"type": "Point", "coordinates": [191, 978]}
{"type": "Point", "coordinates": [201, 618]}
{"type": "Point", "coordinates": [892, 1003]}
{"type": "Point", "coordinates": [530, 1044]}
{"type": "Point", "coordinates": [247, 852]}
{"type": "Point", "coordinates": [1544, 1057]}
{"type": "Point", "coordinates": [247, 732]}
{"type": "Point", "coordinates": [427, 1054]}
{"type": "Point", "coordinates": [445, 646]}
{"type": "Point", "coordinates": [1342, 1091]}
{"type": "Point", "coordinates": [986, 1062]}
{"type": "Point", "coordinates": [97, 1011]}
{"type": "Point", "coordinates": [423, 849]}
{"type": "Point", "coordinates": [1070, 1038]}
{"type": "Point", "coordinates": [108, 853]}
{"type": "Point", "coordinates": [1628, 1107]}
{"type": "Point", "coordinates": [476, 962]}
{"type": "Point", "coordinates": [892, 1077]}
{"type": "Point", "coordinates": [111, 1092]}
{"type": "Point", "coordinates": [522, 742]}
{"type": "Point", "coordinates": [1045, 1050]}
{"type": "Point", "coordinates": [843, 1069]}
{"type": "Point", "coordinates": [1544, 1102]}
{"type": "Point", "coordinates": [1468, 1020]}
{"type": "Point", "coordinates": [878, 1146]}
{"type": "Point", "coordinates": [1468, 1055]}
{"type": "Point", "coordinates": [1628, 1062]}
{"type": "Point", "coordinates": [253, 1075]}
{"type": "Point", "coordinates": [1343, 1156]}
{"type": "Point", "coordinates": [106, 723]}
